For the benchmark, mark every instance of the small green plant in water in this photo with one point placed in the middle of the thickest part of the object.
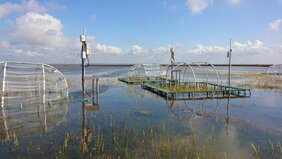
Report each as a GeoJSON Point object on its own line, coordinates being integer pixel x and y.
{"type": "Point", "coordinates": [66, 140]}
{"type": "Point", "coordinates": [255, 151]}
{"type": "Point", "coordinates": [144, 112]}
{"type": "Point", "coordinates": [15, 139]}
{"type": "Point", "coordinates": [193, 131]}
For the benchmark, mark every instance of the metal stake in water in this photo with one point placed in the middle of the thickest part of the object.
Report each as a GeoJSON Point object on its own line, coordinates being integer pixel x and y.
{"type": "Point", "coordinates": [229, 53]}
{"type": "Point", "coordinates": [172, 60]}
{"type": "Point", "coordinates": [85, 53]}
{"type": "Point", "coordinates": [83, 57]}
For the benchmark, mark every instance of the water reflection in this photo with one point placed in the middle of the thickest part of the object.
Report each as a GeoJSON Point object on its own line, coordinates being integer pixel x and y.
{"type": "Point", "coordinates": [31, 118]}
{"type": "Point", "coordinates": [212, 123]}
{"type": "Point", "coordinates": [227, 116]}
{"type": "Point", "coordinates": [86, 133]}
{"type": "Point", "coordinates": [193, 109]}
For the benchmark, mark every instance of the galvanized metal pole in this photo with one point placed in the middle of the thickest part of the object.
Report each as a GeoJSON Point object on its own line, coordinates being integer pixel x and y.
{"type": "Point", "coordinates": [44, 85]}
{"type": "Point", "coordinates": [82, 75]}
{"type": "Point", "coordinates": [3, 85]}
{"type": "Point", "coordinates": [83, 57]}
{"type": "Point", "coordinates": [227, 115]}
{"type": "Point", "coordinates": [172, 60]}
{"type": "Point", "coordinates": [229, 69]}
{"type": "Point", "coordinates": [97, 91]}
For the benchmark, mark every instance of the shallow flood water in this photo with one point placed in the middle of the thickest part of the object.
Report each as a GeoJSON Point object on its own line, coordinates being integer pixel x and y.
{"type": "Point", "coordinates": [133, 123]}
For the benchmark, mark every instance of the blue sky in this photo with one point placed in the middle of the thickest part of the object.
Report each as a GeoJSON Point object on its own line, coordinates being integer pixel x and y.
{"type": "Point", "coordinates": [131, 31]}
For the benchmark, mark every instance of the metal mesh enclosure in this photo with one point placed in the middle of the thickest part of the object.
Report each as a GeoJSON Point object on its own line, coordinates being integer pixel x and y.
{"type": "Point", "coordinates": [275, 69]}
{"type": "Point", "coordinates": [31, 118]}
{"type": "Point", "coordinates": [145, 70]}
{"type": "Point", "coordinates": [26, 83]}
{"type": "Point", "coordinates": [194, 72]}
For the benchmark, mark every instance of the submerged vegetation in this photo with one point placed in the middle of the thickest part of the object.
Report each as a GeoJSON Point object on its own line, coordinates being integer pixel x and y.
{"type": "Point", "coordinates": [143, 112]}
{"type": "Point", "coordinates": [150, 141]}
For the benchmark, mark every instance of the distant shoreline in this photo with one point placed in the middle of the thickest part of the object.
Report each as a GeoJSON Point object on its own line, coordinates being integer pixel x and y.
{"type": "Point", "coordinates": [240, 65]}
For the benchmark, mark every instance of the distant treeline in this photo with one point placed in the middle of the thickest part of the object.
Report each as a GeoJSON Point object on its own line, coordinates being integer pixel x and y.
{"type": "Point", "coordinates": [241, 65]}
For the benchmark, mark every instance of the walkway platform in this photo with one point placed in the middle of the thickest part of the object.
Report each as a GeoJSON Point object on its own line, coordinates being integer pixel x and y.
{"type": "Point", "coordinates": [194, 91]}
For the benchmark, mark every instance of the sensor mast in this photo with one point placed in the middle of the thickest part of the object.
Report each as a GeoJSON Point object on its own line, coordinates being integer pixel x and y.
{"type": "Point", "coordinates": [85, 53]}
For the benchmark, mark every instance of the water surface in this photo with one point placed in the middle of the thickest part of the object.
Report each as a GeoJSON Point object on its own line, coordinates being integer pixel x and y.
{"type": "Point", "coordinates": [134, 123]}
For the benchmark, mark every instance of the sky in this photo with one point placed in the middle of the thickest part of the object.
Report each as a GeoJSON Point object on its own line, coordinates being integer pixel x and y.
{"type": "Point", "coordinates": [142, 31]}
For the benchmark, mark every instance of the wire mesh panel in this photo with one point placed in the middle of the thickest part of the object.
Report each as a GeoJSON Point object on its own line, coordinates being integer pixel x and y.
{"type": "Point", "coordinates": [31, 118]}
{"type": "Point", "coordinates": [32, 98]}
{"type": "Point", "coordinates": [206, 72]}
{"type": "Point", "coordinates": [194, 72]}
{"type": "Point", "coordinates": [26, 83]}
{"type": "Point", "coordinates": [145, 70]}
{"type": "Point", "coordinates": [275, 69]}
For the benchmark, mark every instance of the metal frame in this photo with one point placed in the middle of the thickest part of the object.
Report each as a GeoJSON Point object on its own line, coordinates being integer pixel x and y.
{"type": "Point", "coordinates": [219, 77]}
{"type": "Point", "coordinates": [3, 85]}
{"type": "Point", "coordinates": [273, 67]}
{"type": "Point", "coordinates": [30, 65]}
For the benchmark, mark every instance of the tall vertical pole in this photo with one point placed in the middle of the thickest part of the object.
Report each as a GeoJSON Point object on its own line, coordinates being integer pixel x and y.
{"type": "Point", "coordinates": [97, 90]}
{"type": "Point", "coordinates": [83, 57]}
{"type": "Point", "coordinates": [2, 101]}
{"type": "Point", "coordinates": [3, 85]}
{"type": "Point", "coordinates": [229, 69]}
{"type": "Point", "coordinates": [44, 85]}
{"type": "Point", "coordinates": [227, 115]}
{"type": "Point", "coordinates": [82, 75]}
{"type": "Point", "coordinates": [172, 60]}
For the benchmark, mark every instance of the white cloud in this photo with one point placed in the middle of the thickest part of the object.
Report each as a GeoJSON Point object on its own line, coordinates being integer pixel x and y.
{"type": "Point", "coordinates": [137, 50]}
{"type": "Point", "coordinates": [233, 2]}
{"type": "Point", "coordinates": [250, 47]}
{"type": "Point", "coordinates": [39, 29]}
{"type": "Point", "coordinates": [8, 7]}
{"type": "Point", "coordinates": [275, 25]}
{"type": "Point", "coordinates": [11, 50]}
{"type": "Point", "coordinates": [29, 5]}
{"type": "Point", "coordinates": [203, 49]}
{"type": "Point", "coordinates": [4, 44]}
{"type": "Point", "coordinates": [160, 50]}
{"type": "Point", "coordinates": [39, 35]}
{"type": "Point", "coordinates": [197, 6]}
{"type": "Point", "coordinates": [107, 49]}
{"type": "Point", "coordinates": [255, 47]}
{"type": "Point", "coordinates": [243, 52]}
{"type": "Point", "coordinates": [33, 5]}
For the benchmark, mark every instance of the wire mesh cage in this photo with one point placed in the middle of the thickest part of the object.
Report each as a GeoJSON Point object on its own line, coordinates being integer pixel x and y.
{"type": "Point", "coordinates": [275, 69]}
{"type": "Point", "coordinates": [194, 72]}
{"type": "Point", "coordinates": [27, 83]}
{"type": "Point", "coordinates": [145, 70]}
{"type": "Point", "coordinates": [141, 73]}
{"type": "Point", "coordinates": [31, 119]}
